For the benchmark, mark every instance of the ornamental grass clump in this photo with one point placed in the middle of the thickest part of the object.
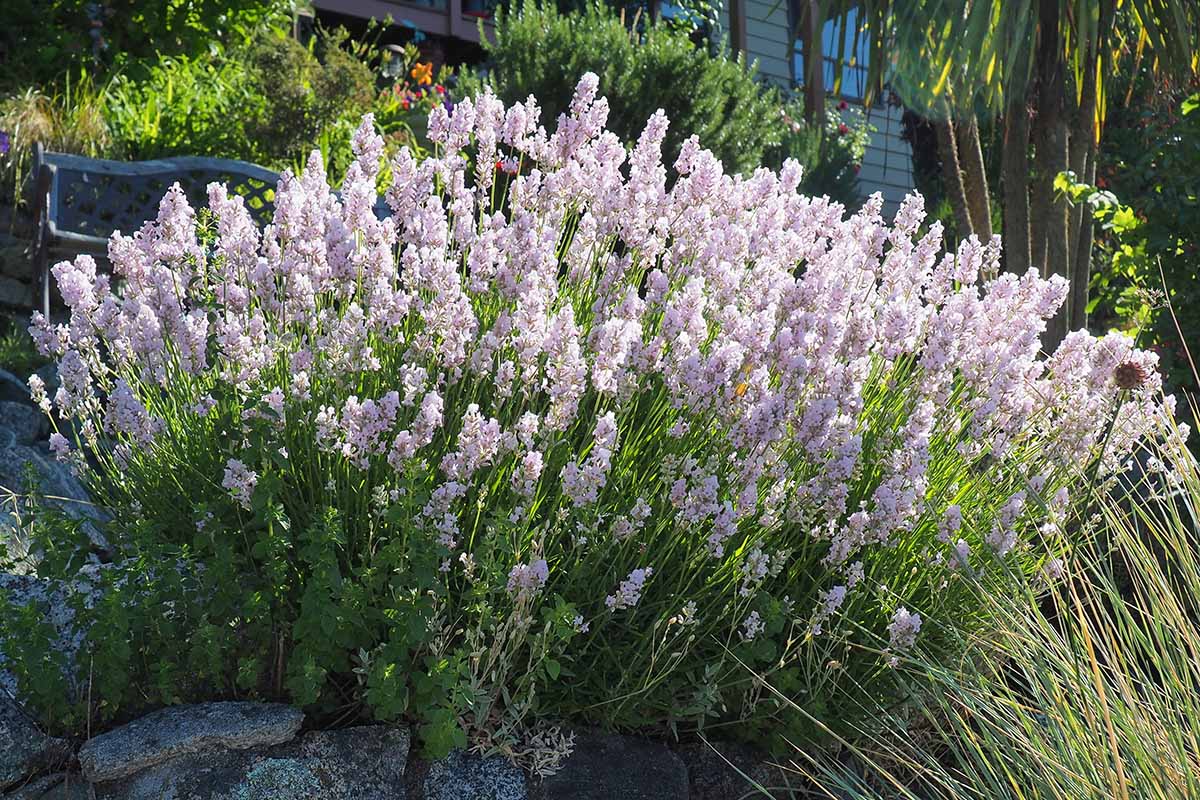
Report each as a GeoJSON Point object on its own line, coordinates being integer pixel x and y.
{"type": "Point", "coordinates": [1085, 690]}
{"type": "Point", "coordinates": [569, 436]}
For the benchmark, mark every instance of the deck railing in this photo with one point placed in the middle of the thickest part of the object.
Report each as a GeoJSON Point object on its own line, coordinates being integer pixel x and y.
{"type": "Point", "coordinates": [455, 18]}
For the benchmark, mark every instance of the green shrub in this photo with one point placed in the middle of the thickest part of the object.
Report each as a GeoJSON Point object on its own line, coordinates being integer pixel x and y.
{"type": "Point", "coordinates": [267, 103]}
{"type": "Point", "coordinates": [831, 154]}
{"type": "Point", "coordinates": [41, 40]}
{"type": "Point", "coordinates": [541, 52]}
{"type": "Point", "coordinates": [559, 442]}
{"type": "Point", "coordinates": [1152, 164]}
{"type": "Point", "coordinates": [183, 105]}
{"type": "Point", "coordinates": [271, 102]}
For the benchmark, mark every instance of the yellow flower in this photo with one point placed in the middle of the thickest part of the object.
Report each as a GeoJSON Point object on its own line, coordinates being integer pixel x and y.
{"type": "Point", "coordinates": [423, 73]}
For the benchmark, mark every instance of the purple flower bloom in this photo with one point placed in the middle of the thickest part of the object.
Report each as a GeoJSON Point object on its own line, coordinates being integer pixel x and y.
{"type": "Point", "coordinates": [706, 379]}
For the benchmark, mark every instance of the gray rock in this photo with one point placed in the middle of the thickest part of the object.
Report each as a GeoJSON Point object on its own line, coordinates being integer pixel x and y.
{"type": "Point", "coordinates": [54, 479]}
{"type": "Point", "coordinates": [27, 423]}
{"type": "Point", "coordinates": [466, 776]}
{"type": "Point", "coordinates": [59, 786]}
{"type": "Point", "coordinates": [365, 763]}
{"type": "Point", "coordinates": [24, 749]}
{"type": "Point", "coordinates": [13, 388]}
{"type": "Point", "coordinates": [183, 730]}
{"type": "Point", "coordinates": [53, 600]}
{"type": "Point", "coordinates": [15, 261]}
{"type": "Point", "coordinates": [27, 590]}
{"type": "Point", "coordinates": [726, 771]}
{"type": "Point", "coordinates": [605, 766]}
{"type": "Point", "coordinates": [55, 482]}
{"type": "Point", "coordinates": [15, 294]}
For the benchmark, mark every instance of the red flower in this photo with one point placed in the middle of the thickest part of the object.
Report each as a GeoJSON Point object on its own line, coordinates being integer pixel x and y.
{"type": "Point", "coordinates": [843, 129]}
{"type": "Point", "coordinates": [440, 89]}
{"type": "Point", "coordinates": [857, 168]}
{"type": "Point", "coordinates": [404, 104]}
{"type": "Point", "coordinates": [842, 106]}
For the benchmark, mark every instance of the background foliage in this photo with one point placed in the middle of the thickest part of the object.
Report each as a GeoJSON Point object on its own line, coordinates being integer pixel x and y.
{"type": "Point", "coordinates": [1151, 166]}
{"type": "Point", "coordinates": [39, 41]}
{"type": "Point", "coordinates": [644, 66]}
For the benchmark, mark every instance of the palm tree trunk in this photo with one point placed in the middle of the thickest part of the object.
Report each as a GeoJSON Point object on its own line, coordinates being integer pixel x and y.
{"type": "Point", "coordinates": [1081, 274]}
{"type": "Point", "coordinates": [1085, 148]}
{"type": "Point", "coordinates": [952, 175]}
{"type": "Point", "coordinates": [979, 201]}
{"type": "Point", "coordinates": [1083, 164]}
{"type": "Point", "coordinates": [1014, 182]}
{"type": "Point", "coordinates": [1051, 213]}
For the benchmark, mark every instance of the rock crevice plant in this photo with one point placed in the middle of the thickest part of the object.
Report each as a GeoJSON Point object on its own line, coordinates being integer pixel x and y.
{"type": "Point", "coordinates": [557, 442]}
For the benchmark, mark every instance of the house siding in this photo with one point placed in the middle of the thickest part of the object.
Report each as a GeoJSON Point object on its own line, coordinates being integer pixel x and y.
{"type": "Point", "coordinates": [768, 39]}
{"type": "Point", "coordinates": [887, 162]}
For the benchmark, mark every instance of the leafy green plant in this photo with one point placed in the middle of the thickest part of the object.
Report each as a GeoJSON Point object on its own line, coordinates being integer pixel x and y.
{"type": "Point", "coordinates": [1118, 290]}
{"type": "Point", "coordinates": [1152, 160]}
{"type": "Point", "coordinates": [185, 105]}
{"type": "Point", "coordinates": [831, 154]}
{"type": "Point", "coordinates": [269, 102]}
{"type": "Point", "coordinates": [542, 52]}
{"type": "Point", "coordinates": [40, 41]}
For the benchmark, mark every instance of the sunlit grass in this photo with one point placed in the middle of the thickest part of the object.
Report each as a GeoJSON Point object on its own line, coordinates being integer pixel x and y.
{"type": "Point", "coordinates": [1089, 688]}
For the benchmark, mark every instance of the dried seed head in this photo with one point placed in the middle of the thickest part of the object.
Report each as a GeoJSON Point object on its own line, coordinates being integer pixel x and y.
{"type": "Point", "coordinates": [1130, 375]}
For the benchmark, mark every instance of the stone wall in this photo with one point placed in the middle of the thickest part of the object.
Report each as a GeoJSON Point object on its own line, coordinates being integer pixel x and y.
{"type": "Point", "coordinates": [17, 281]}
{"type": "Point", "coordinates": [258, 751]}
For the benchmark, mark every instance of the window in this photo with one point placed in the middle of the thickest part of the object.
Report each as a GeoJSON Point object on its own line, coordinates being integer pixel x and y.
{"type": "Point", "coordinates": [854, 56]}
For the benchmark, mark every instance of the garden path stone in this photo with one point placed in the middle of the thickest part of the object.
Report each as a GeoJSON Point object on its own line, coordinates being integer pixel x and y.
{"type": "Point", "coordinates": [27, 423]}
{"type": "Point", "coordinates": [59, 786]}
{"type": "Point", "coordinates": [604, 766]}
{"type": "Point", "coordinates": [184, 730]}
{"type": "Point", "coordinates": [467, 776]}
{"type": "Point", "coordinates": [364, 763]}
{"type": "Point", "coordinates": [24, 748]}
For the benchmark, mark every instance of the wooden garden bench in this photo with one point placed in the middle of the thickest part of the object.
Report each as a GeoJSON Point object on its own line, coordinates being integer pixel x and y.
{"type": "Point", "coordinates": [80, 201]}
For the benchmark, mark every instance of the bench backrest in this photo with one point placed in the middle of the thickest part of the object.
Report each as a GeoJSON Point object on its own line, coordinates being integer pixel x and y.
{"type": "Point", "coordinates": [89, 198]}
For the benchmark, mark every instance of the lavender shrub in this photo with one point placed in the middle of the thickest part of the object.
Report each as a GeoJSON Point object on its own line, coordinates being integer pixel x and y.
{"type": "Point", "coordinates": [565, 438]}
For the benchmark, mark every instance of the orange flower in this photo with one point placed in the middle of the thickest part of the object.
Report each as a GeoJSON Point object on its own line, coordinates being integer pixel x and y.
{"type": "Point", "coordinates": [423, 73]}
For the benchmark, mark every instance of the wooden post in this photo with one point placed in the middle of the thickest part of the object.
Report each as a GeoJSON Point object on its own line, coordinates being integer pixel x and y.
{"type": "Point", "coordinates": [737, 27]}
